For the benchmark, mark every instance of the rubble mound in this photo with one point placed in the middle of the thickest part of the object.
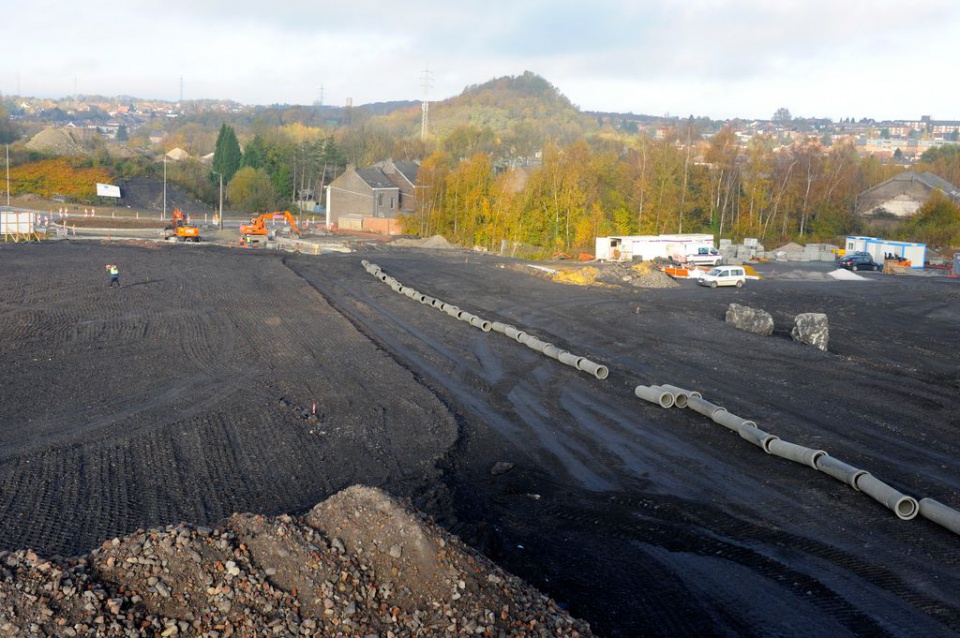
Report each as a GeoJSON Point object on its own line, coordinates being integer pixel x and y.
{"type": "Point", "coordinates": [359, 563]}
{"type": "Point", "coordinates": [640, 275]}
{"type": "Point", "coordinates": [58, 141]}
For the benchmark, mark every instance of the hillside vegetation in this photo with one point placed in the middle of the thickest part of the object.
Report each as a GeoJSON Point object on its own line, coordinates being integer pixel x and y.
{"type": "Point", "coordinates": [512, 160]}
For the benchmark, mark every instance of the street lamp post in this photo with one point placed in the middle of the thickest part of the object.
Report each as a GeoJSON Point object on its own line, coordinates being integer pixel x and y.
{"type": "Point", "coordinates": [163, 215]}
{"type": "Point", "coordinates": [220, 211]}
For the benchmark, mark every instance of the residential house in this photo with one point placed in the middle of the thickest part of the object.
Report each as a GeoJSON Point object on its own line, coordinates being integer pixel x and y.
{"type": "Point", "coordinates": [371, 199]}
{"type": "Point", "coordinates": [404, 175]}
{"type": "Point", "coordinates": [902, 195]}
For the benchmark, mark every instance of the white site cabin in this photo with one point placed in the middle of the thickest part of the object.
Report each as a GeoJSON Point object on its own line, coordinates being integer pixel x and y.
{"type": "Point", "coordinates": [879, 248]}
{"type": "Point", "coordinates": [647, 247]}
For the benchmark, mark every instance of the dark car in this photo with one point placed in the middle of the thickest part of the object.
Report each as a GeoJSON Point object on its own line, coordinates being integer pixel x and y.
{"type": "Point", "coordinates": [859, 261]}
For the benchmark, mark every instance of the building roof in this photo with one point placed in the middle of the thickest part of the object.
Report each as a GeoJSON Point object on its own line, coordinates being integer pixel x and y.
{"type": "Point", "coordinates": [929, 180]}
{"type": "Point", "coordinates": [409, 170]}
{"type": "Point", "coordinates": [375, 178]}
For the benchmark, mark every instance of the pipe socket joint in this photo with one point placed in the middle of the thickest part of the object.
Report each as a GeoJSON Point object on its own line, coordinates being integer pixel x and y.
{"type": "Point", "coordinates": [905, 507]}
{"type": "Point", "coordinates": [839, 470]}
{"type": "Point", "coordinates": [483, 324]}
{"type": "Point", "coordinates": [731, 421]}
{"type": "Point", "coordinates": [570, 359]}
{"type": "Point", "coordinates": [702, 406]}
{"type": "Point", "coordinates": [755, 435]}
{"type": "Point", "coordinates": [598, 370]}
{"type": "Point", "coordinates": [795, 453]}
{"type": "Point", "coordinates": [552, 351]}
{"type": "Point", "coordinates": [655, 394]}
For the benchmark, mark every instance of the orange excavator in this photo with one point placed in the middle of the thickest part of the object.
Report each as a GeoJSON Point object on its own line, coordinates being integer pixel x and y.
{"type": "Point", "coordinates": [257, 231]}
{"type": "Point", "coordinates": [180, 228]}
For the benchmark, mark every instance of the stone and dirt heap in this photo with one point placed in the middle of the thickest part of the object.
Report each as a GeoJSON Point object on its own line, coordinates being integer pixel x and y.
{"type": "Point", "coordinates": [358, 564]}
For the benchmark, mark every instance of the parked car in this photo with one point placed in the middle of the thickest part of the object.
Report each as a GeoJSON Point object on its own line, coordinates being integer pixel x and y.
{"type": "Point", "coordinates": [724, 276]}
{"type": "Point", "coordinates": [859, 261]}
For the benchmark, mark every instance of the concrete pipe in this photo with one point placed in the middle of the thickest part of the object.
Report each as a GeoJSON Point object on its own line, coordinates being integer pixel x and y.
{"type": "Point", "coordinates": [553, 351]}
{"type": "Point", "coordinates": [463, 315]}
{"type": "Point", "coordinates": [438, 304]}
{"type": "Point", "coordinates": [905, 507]}
{"type": "Point", "coordinates": [410, 292]}
{"type": "Point", "coordinates": [596, 369]}
{"type": "Point", "coordinates": [940, 514]}
{"type": "Point", "coordinates": [674, 390]}
{"type": "Point", "coordinates": [534, 344]}
{"type": "Point", "coordinates": [512, 332]}
{"type": "Point", "coordinates": [680, 395]}
{"type": "Point", "coordinates": [731, 421]}
{"type": "Point", "coordinates": [499, 326]}
{"type": "Point", "coordinates": [365, 263]}
{"type": "Point", "coordinates": [755, 435]}
{"type": "Point", "coordinates": [483, 324]}
{"type": "Point", "coordinates": [453, 311]}
{"type": "Point", "coordinates": [839, 470]}
{"type": "Point", "coordinates": [795, 453]}
{"type": "Point", "coordinates": [397, 286]}
{"type": "Point", "coordinates": [426, 300]}
{"type": "Point", "coordinates": [570, 359]}
{"type": "Point", "coordinates": [383, 277]}
{"type": "Point", "coordinates": [702, 406]}
{"type": "Point", "coordinates": [655, 394]}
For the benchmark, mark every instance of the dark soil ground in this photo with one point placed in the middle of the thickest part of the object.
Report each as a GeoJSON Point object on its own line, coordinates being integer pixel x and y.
{"type": "Point", "coordinates": [188, 395]}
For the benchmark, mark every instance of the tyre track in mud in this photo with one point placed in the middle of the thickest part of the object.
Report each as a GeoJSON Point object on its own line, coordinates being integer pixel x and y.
{"type": "Point", "coordinates": [199, 348]}
{"type": "Point", "coordinates": [687, 528]}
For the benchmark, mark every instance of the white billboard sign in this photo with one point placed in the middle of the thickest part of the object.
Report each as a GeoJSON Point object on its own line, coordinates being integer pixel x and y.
{"type": "Point", "coordinates": [16, 223]}
{"type": "Point", "coordinates": [108, 190]}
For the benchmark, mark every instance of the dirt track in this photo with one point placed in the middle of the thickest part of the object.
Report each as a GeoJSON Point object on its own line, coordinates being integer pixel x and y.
{"type": "Point", "coordinates": [180, 397]}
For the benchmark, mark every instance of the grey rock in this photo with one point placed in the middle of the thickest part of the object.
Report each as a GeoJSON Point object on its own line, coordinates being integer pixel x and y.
{"type": "Point", "coordinates": [501, 467]}
{"type": "Point", "coordinates": [750, 319]}
{"type": "Point", "coordinates": [811, 328]}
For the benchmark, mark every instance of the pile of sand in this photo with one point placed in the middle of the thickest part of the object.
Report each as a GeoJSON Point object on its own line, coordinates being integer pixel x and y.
{"type": "Point", "coordinates": [438, 242]}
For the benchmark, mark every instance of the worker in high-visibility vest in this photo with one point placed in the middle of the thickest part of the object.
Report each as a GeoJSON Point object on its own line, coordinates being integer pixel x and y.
{"type": "Point", "coordinates": [114, 273]}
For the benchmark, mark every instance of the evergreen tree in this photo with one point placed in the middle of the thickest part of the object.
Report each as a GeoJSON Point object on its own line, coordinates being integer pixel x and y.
{"type": "Point", "coordinates": [226, 155]}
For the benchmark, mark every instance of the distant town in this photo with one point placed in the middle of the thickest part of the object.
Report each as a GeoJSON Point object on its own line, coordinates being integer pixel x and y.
{"type": "Point", "coordinates": [900, 141]}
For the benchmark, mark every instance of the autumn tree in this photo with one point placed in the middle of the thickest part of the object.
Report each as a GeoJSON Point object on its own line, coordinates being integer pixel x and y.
{"type": "Point", "coordinates": [937, 222]}
{"type": "Point", "coordinates": [251, 189]}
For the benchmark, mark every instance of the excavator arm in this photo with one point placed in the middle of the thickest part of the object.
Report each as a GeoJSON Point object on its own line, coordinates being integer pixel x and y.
{"type": "Point", "coordinates": [258, 225]}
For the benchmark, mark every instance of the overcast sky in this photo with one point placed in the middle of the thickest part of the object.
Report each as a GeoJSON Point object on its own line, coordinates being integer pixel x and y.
{"type": "Point", "coordinates": [882, 59]}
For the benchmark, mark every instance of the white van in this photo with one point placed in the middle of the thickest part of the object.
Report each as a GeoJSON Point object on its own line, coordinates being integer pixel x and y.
{"type": "Point", "coordinates": [705, 256]}
{"type": "Point", "coordinates": [724, 276]}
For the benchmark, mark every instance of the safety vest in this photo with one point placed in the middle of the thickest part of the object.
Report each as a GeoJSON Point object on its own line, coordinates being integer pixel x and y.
{"type": "Point", "coordinates": [114, 271]}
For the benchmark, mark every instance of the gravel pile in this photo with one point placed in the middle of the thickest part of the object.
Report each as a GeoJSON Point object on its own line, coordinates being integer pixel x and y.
{"type": "Point", "coordinates": [358, 564]}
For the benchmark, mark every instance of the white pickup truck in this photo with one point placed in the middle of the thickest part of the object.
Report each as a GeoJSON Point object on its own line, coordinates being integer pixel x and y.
{"type": "Point", "coordinates": [705, 257]}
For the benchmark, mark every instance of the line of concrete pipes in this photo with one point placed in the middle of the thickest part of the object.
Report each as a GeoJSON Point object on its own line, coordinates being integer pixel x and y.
{"type": "Point", "coordinates": [548, 349]}
{"type": "Point", "coordinates": [666, 396]}
{"type": "Point", "coordinates": [905, 507]}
